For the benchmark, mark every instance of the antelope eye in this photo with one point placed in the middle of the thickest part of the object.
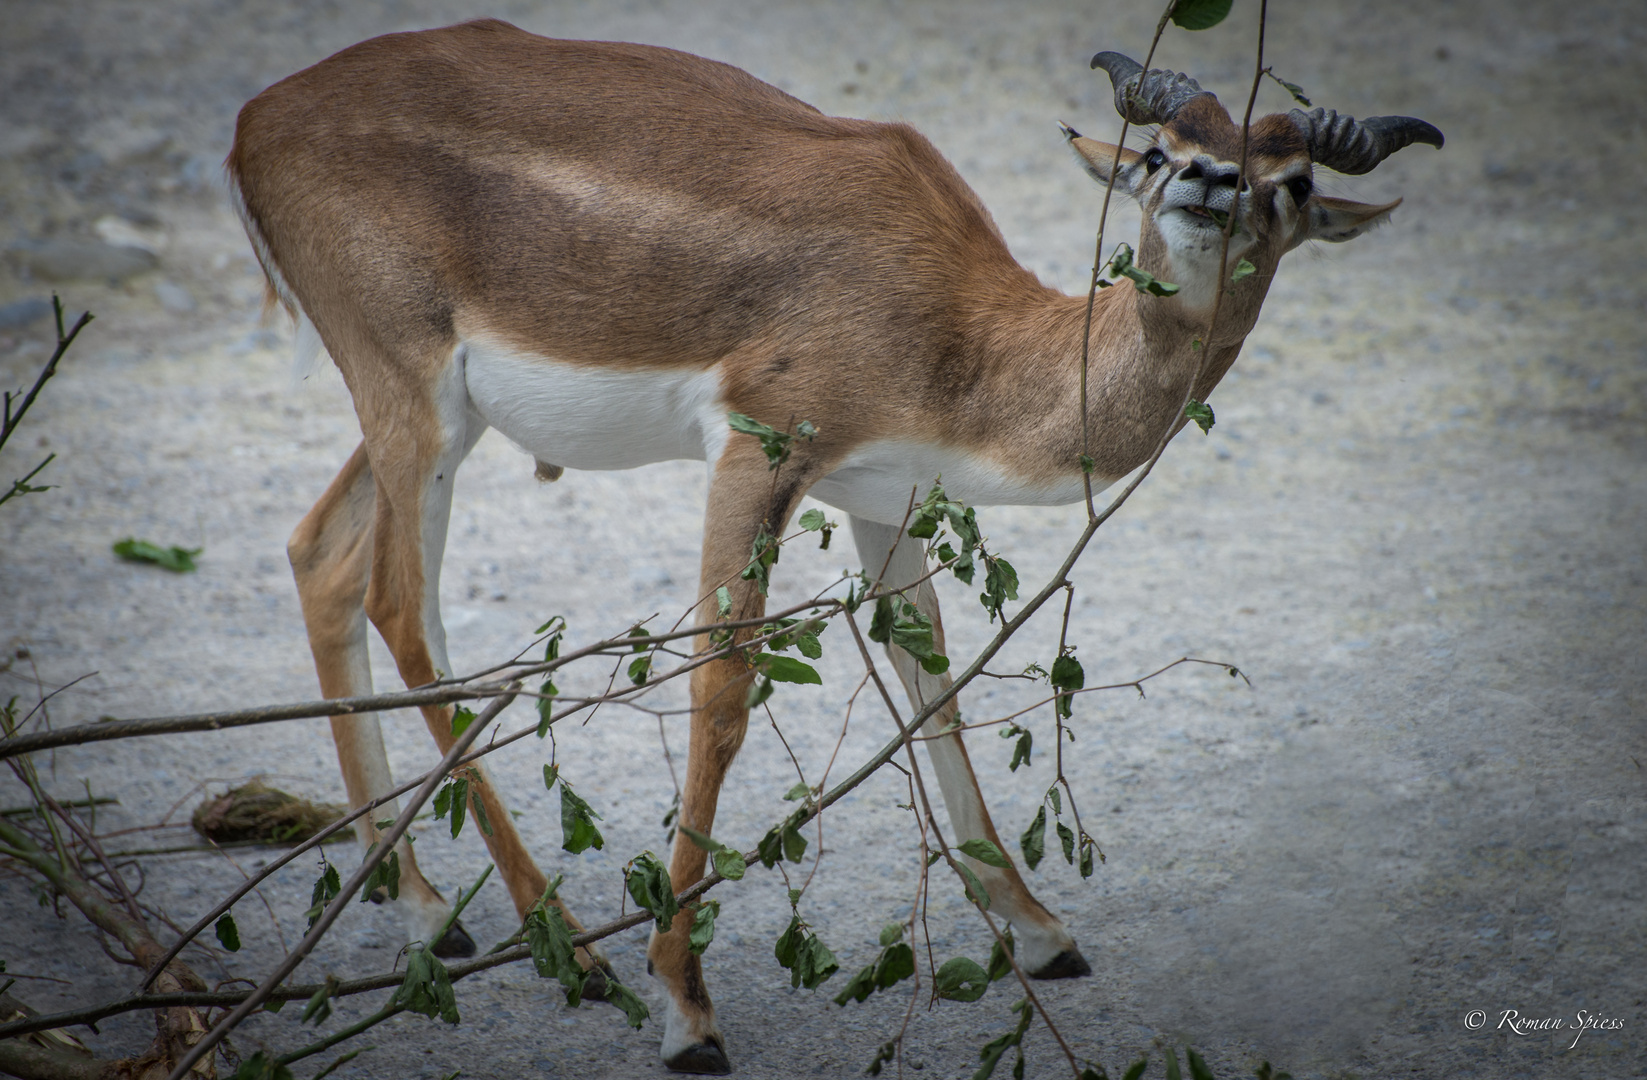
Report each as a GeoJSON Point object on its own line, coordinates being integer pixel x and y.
{"type": "Point", "coordinates": [1300, 187]}
{"type": "Point", "coordinates": [1154, 160]}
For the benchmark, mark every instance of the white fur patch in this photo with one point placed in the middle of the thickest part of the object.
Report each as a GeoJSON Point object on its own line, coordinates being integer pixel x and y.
{"type": "Point", "coordinates": [592, 417]}
{"type": "Point", "coordinates": [876, 479]}
{"type": "Point", "coordinates": [309, 356]}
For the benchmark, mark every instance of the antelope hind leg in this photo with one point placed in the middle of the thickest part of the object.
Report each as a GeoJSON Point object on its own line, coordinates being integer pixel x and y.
{"type": "Point", "coordinates": [1045, 948]}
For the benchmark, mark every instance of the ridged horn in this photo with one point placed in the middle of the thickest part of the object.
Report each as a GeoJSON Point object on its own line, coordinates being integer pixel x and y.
{"type": "Point", "coordinates": [1152, 97]}
{"type": "Point", "coordinates": [1357, 146]}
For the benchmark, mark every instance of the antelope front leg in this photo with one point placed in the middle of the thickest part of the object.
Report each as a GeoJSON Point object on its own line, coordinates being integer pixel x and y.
{"type": "Point", "coordinates": [743, 496]}
{"type": "Point", "coordinates": [1045, 948]}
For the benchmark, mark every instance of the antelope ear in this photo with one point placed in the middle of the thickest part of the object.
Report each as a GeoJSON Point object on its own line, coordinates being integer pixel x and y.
{"type": "Point", "coordinates": [1098, 158]}
{"type": "Point", "coordinates": [1338, 220]}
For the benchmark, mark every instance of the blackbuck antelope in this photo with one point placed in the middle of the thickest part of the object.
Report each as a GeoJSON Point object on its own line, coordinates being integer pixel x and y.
{"type": "Point", "coordinates": [602, 249]}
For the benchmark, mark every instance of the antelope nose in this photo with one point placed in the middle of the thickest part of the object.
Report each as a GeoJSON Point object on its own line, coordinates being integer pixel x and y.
{"type": "Point", "coordinates": [1215, 173]}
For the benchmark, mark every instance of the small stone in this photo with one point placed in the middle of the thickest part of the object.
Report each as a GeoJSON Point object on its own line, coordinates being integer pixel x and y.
{"type": "Point", "coordinates": [80, 260]}
{"type": "Point", "coordinates": [21, 314]}
{"type": "Point", "coordinates": [144, 231]}
{"type": "Point", "coordinates": [174, 297]}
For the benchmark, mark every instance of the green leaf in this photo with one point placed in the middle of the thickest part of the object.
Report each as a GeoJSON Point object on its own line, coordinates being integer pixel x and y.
{"type": "Point", "coordinates": [729, 864]}
{"type": "Point", "coordinates": [1173, 1072]}
{"type": "Point", "coordinates": [1200, 14]}
{"type": "Point", "coordinates": [887, 1053]}
{"type": "Point", "coordinates": [1067, 838]}
{"type": "Point", "coordinates": [319, 1007]}
{"type": "Point", "coordinates": [808, 960]}
{"type": "Point", "coordinates": [723, 602]}
{"type": "Point", "coordinates": [894, 963]}
{"type": "Point", "coordinates": [859, 987]}
{"type": "Point", "coordinates": [759, 690]}
{"type": "Point", "coordinates": [799, 791]}
{"type": "Point", "coordinates": [1294, 89]}
{"type": "Point", "coordinates": [1243, 269]}
{"type": "Point", "coordinates": [553, 954]}
{"type": "Point", "coordinates": [975, 890]}
{"type": "Point", "coordinates": [1094, 1072]}
{"type": "Point", "coordinates": [986, 852]}
{"type": "Point", "coordinates": [812, 520]}
{"type": "Point", "coordinates": [703, 926]}
{"type": "Point", "coordinates": [897, 963]}
{"type": "Point", "coordinates": [1000, 962]}
{"type": "Point", "coordinates": [1137, 1069]}
{"type": "Point", "coordinates": [728, 861]}
{"type": "Point", "coordinates": [633, 1008]}
{"type": "Point", "coordinates": [708, 843]}
{"type": "Point", "coordinates": [991, 1053]}
{"type": "Point", "coordinates": [1201, 413]}
{"type": "Point", "coordinates": [1087, 464]}
{"type": "Point", "coordinates": [1197, 1065]}
{"type": "Point", "coordinates": [763, 555]}
{"type": "Point", "coordinates": [794, 845]}
{"type": "Point", "coordinates": [648, 882]}
{"type": "Point", "coordinates": [545, 705]}
{"type": "Point", "coordinates": [325, 891]}
{"type": "Point", "coordinates": [961, 979]}
{"type": "Point", "coordinates": [880, 624]}
{"type": "Point", "coordinates": [481, 819]}
{"type": "Point", "coordinates": [461, 719]}
{"type": "Point", "coordinates": [1121, 265]}
{"type": "Point", "coordinates": [577, 823]}
{"type": "Point", "coordinates": [550, 774]}
{"type": "Point", "coordinates": [1057, 800]}
{"type": "Point", "coordinates": [176, 559]}
{"type": "Point", "coordinates": [891, 934]}
{"type": "Point", "coordinates": [783, 839]}
{"type": "Point", "coordinates": [1000, 585]}
{"type": "Point", "coordinates": [385, 875]}
{"type": "Point", "coordinates": [775, 444]}
{"type": "Point", "coordinates": [786, 669]}
{"type": "Point", "coordinates": [459, 804]}
{"type": "Point", "coordinates": [1020, 750]}
{"type": "Point", "coordinates": [427, 988]}
{"type": "Point", "coordinates": [228, 933]}
{"type": "Point", "coordinates": [1067, 677]}
{"type": "Point", "coordinates": [1087, 847]}
{"type": "Point", "coordinates": [1033, 842]}
{"type": "Point", "coordinates": [639, 668]}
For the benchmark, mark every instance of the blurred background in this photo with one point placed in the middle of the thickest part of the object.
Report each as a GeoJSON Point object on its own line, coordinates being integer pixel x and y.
{"type": "Point", "coordinates": [1417, 526]}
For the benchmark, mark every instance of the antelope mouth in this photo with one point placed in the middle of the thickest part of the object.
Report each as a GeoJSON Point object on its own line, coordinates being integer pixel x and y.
{"type": "Point", "coordinates": [1206, 214]}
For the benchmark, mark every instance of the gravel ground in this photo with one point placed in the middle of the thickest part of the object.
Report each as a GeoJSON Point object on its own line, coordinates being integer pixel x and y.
{"type": "Point", "coordinates": [1417, 525]}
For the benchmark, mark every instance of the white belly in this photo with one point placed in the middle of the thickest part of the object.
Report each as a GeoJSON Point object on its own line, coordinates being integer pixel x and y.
{"type": "Point", "coordinates": [875, 481]}
{"type": "Point", "coordinates": [595, 418]}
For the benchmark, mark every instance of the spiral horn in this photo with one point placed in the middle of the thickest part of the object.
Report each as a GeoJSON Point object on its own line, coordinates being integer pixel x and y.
{"type": "Point", "coordinates": [1146, 97]}
{"type": "Point", "coordinates": [1357, 146]}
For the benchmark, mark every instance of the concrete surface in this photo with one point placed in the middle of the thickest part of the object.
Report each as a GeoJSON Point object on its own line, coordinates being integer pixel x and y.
{"type": "Point", "coordinates": [1418, 526]}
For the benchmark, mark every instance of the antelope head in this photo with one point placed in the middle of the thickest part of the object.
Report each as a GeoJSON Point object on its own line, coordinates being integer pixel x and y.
{"type": "Point", "coordinates": [1185, 180]}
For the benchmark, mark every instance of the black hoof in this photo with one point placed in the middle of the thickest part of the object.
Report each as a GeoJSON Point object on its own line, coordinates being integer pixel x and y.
{"type": "Point", "coordinates": [706, 1058]}
{"type": "Point", "coordinates": [455, 943]}
{"type": "Point", "coordinates": [1069, 964]}
{"type": "Point", "coordinates": [379, 895]}
{"type": "Point", "coordinates": [594, 987]}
